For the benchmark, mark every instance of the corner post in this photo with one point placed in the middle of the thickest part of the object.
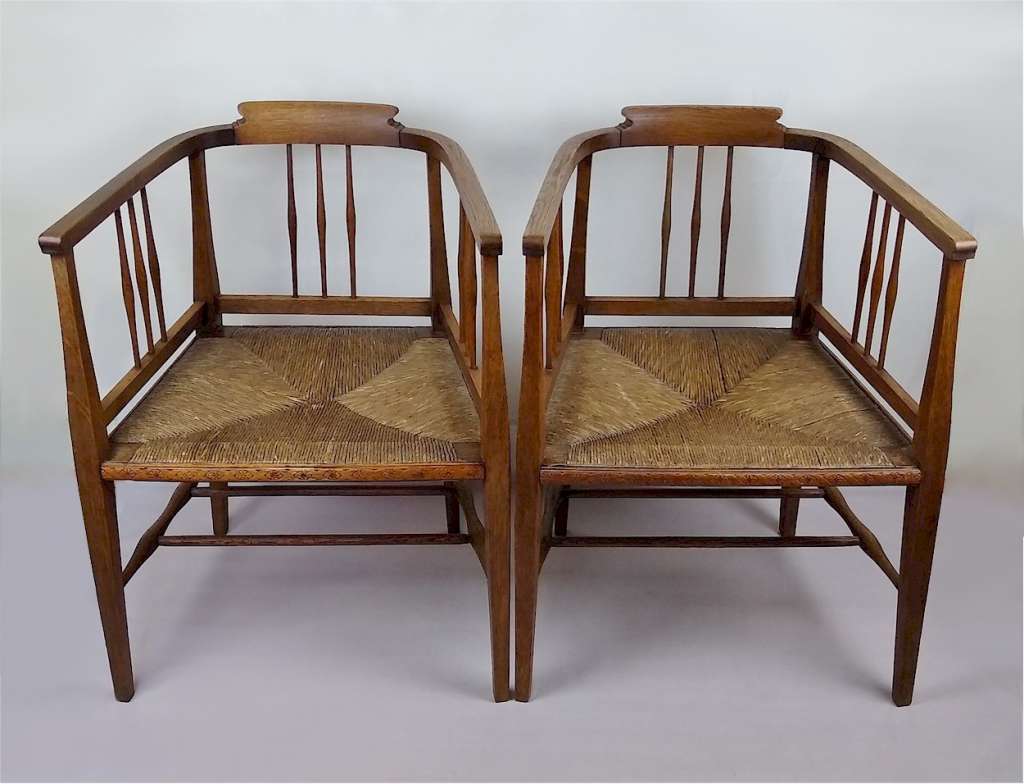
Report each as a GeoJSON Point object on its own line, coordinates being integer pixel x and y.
{"type": "Point", "coordinates": [529, 493]}
{"type": "Point", "coordinates": [576, 276]}
{"type": "Point", "coordinates": [921, 515]}
{"type": "Point", "coordinates": [205, 280]}
{"type": "Point", "coordinates": [89, 445]}
{"type": "Point", "coordinates": [808, 284]}
{"type": "Point", "coordinates": [497, 501]}
{"type": "Point", "coordinates": [440, 285]}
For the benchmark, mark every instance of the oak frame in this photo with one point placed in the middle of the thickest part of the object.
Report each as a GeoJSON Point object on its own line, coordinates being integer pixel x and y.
{"type": "Point", "coordinates": [543, 492]}
{"type": "Point", "coordinates": [90, 413]}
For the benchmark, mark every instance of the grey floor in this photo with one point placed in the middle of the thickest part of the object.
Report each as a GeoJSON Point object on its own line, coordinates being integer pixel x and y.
{"type": "Point", "coordinates": [372, 664]}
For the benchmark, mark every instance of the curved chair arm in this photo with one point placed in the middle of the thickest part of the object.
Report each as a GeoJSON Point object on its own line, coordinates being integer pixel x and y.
{"type": "Point", "coordinates": [478, 209]}
{"type": "Point", "coordinates": [549, 198]}
{"type": "Point", "coordinates": [62, 236]}
{"type": "Point", "coordinates": [945, 233]}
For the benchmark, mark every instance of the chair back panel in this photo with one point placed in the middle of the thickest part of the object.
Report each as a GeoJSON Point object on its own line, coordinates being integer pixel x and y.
{"type": "Point", "coordinates": [317, 122]}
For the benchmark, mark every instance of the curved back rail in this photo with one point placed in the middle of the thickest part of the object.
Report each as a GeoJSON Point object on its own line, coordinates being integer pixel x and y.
{"type": "Point", "coordinates": [553, 312]}
{"type": "Point", "coordinates": [285, 123]}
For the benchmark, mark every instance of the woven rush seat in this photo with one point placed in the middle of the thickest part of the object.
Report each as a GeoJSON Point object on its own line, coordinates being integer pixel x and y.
{"type": "Point", "coordinates": [726, 398]}
{"type": "Point", "coordinates": [308, 396]}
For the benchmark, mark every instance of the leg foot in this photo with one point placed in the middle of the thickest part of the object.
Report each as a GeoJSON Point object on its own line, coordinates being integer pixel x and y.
{"type": "Point", "coordinates": [528, 537]}
{"type": "Point", "coordinates": [920, 522]}
{"type": "Point", "coordinates": [497, 501]}
{"type": "Point", "coordinates": [99, 510]}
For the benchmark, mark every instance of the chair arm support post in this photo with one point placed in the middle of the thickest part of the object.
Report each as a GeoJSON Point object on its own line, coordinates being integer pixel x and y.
{"type": "Point", "coordinates": [809, 278]}
{"type": "Point", "coordinates": [494, 413]}
{"type": "Point", "coordinates": [931, 435]}
{"type": "Point", "coordinates": [205, 280]}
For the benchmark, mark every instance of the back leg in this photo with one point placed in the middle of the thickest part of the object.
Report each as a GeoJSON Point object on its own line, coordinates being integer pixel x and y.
{"type": "Point", "coordinates": [788, 509]}
{"type": "Point", "coordinates": [562, 516]}
{"type": "Point", "coordinates": [451, 507]}
{"type": "Point", "coordinates": [219, 509]}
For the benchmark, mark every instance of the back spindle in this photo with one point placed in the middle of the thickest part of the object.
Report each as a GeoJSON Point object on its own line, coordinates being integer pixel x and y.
{"type": "Point", "coordinates": [321, 221]}
{"type": "Point", "coordinates": [876, 278]}
{"type": "Point", "coordinates": [726, 222]}
{"type": "Point", "coordinates": [666, 220]}
{"type": "Point", "coordinates": [553, 289]}
{"type": "Point", "coordinates": [292, 222]}
{"type": "Point", "coordinates": [350, 219]}
{"type": "Point", "coordinates": [695, 220]}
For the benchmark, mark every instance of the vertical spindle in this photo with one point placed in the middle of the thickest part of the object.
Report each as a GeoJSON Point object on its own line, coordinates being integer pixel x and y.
{"type": "Point", "coordinates": [666, 220]}
{"type": "Point", "coordinates": [891, 290]}
{"type": "Point", "coordinates": [695, 220]}
{"type": "Point", "coordinates": [877, 277]}
{"type": "Point", "coordinates": [141, 285]}
{"type": "Point", "coordinates": [292, 221]}
{"type": "Point", "coordinates": [726, 222]}
{"type": "Point", "coordinates": [321, 221]}
{"type": "Point", "coordinates": [127, 291]}
{"type": "Point", "coordinates": [154, 266]}
{"type": "Point", "coordinates": [865, 265]}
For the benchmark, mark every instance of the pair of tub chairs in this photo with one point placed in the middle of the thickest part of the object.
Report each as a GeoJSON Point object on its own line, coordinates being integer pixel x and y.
{"type": "Point", "coordinates": [788, 413]}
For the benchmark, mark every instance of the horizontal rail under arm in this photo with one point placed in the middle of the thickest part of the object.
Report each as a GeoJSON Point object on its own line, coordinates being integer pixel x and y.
{"type": "Point", "coordinates": [945, 233]}
{"type": "Point", "coordinates": [135, 379]}
{"type": "Point", "coordinates": [549, 198]}
{"type": "Point", "coordinates": [478, 209]}
{"type": "Point", "coordinates": [66, 232]}
{"type": "Point", "coordinates": [892, 392]}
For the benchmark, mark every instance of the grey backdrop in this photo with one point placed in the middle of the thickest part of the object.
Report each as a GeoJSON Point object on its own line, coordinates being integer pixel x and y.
{"type": "Point", "coordinates": [326, 664]}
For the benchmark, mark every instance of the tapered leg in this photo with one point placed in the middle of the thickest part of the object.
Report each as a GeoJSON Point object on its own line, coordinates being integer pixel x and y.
{"type": "Point", "coordinates": [788, 509]}
{"type": "Point", "coordinates": [920, 522]}
{"type": "Point", "coordinates": [496, 502]}
{"type": "Point", "coordinates": [219, 508]}
{"type": "Point", "coordinates": [527, 535]}
{"type": "Point", "coordinates": [451, 508]}
{"type": "Point", "coordinates": [99, 511]}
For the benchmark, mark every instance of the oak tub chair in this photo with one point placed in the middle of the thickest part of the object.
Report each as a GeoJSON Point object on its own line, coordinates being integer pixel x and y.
{"type": "Point", "coordinates": [297, 410]}
{"type": "Point", "coordinates": [741, 412]}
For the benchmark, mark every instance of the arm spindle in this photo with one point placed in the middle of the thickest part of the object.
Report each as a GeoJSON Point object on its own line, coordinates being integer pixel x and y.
{"type": "Point", "coordinates": [865, 265]}
{"type": "Point", "coordinates": [127, 290]}
{"type": "Point", "coordinates": [154, 266]}
{"type": "Point", "coordinates": [350, 219]}
{"type": "Point", "coordinates": [141, 284]}
{"type": "Point", "coordinates": [553, 290]}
